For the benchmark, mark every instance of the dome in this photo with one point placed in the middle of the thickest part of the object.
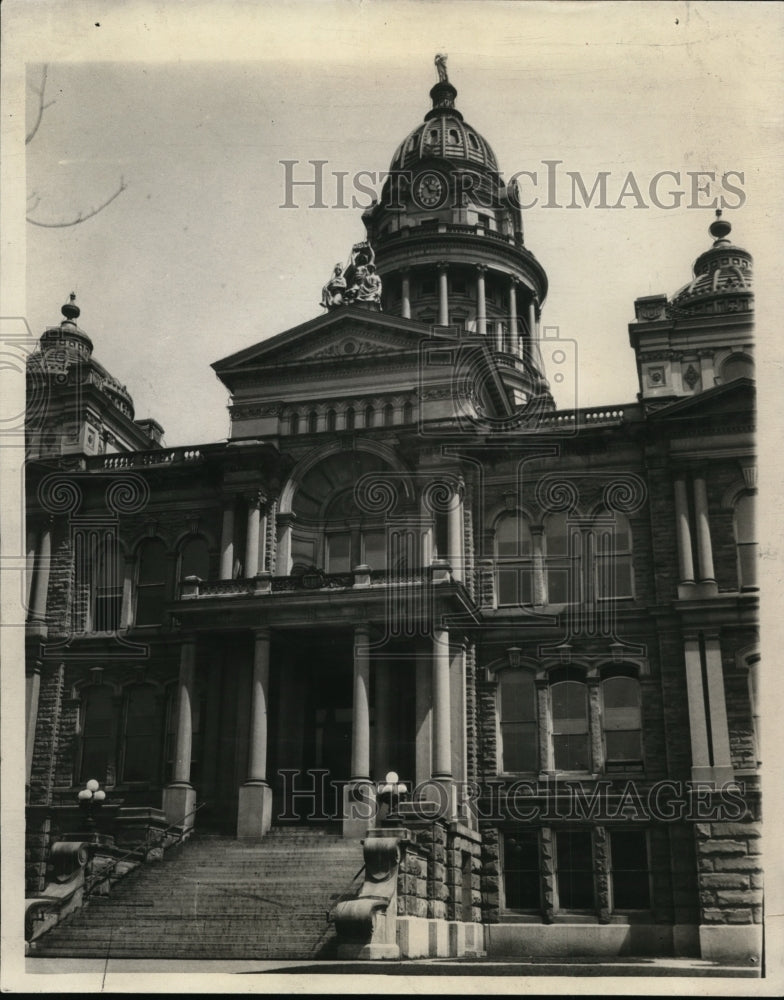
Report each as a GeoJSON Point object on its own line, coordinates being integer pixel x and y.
{"type": "Point", "coordinates": [444, 134]}
{"type": "Point", "coordinates": [722, 281]}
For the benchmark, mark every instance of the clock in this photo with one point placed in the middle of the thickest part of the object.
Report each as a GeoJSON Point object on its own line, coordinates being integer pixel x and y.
{"type": "Point", "coordinates": [430, 190]}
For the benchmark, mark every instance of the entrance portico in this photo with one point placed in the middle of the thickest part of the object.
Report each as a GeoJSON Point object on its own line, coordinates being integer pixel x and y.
{"type": "Point", "coordinates": [320, 714]}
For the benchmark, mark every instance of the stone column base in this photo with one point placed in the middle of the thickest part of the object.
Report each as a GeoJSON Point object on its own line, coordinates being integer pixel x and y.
{"type": "Point", "coordinates": [254, 815]}
{"type": "Point", "coordinates": [368, 951]}
{"type": "Point", "coordinates": [359, 808]}
{"type": "Point", "coordinates": [179, 801]}
{"type": "Point", "coordinates": [731, 943]}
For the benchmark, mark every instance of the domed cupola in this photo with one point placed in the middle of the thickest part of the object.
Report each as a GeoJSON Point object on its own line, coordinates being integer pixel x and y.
{"type": "Point", "coordinates": [70, 343]}
{"type": "Point", "coordinates": [703, 337]}
{"type": "Point", "coordinates": [447, 233]}
{"type": "Point", "coordinates": [722, 280]}
{"type": "Point", "coordinates": [444, 133]}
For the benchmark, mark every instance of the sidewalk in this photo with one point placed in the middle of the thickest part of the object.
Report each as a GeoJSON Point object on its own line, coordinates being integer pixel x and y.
{"type": "Point", "coordinates": [485, 967]}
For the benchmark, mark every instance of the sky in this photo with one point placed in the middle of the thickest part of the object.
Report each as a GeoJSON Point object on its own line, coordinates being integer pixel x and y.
{"type": "Point", "coordinates": [197, 259]}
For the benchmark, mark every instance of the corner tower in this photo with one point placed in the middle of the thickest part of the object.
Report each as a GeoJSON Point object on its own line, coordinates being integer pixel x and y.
{"type": "Point", "coordinates": [703, 336]}
{"type": "Point", "coordinates": [448, 238]}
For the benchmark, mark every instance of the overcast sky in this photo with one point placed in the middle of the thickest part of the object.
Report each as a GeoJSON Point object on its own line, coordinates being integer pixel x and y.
{"type": "Point", "coordinates": [196, 259]}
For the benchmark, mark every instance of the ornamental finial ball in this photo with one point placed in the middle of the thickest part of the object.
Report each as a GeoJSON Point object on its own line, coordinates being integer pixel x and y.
{"type": "Point", "coordinates": [720, 228]}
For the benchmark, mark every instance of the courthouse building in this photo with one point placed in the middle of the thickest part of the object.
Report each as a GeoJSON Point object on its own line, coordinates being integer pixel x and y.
{"type": "Point", "coordinates": [406, 558]}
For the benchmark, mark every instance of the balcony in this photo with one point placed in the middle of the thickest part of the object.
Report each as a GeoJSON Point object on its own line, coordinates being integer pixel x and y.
{"type": "Point", "coordinates": [360, 578]}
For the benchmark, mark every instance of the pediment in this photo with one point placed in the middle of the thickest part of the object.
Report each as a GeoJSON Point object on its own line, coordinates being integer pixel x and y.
{"type": "Point", "coordinates": [720, 402]}
{"type": "Point", "coordinates": [338, 336]}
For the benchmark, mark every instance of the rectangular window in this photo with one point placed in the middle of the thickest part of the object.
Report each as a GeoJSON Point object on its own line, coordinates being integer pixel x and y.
{"type": "Point", "coordinates": [339, 553]}
{"type": "Point", "coordinates": [375, 549]}
{"type": "Point", "coordinates": [629, 862]}
{"type": "Point", "coordinates": [574, 870]}
{"type": "Point", "coordinates": [571, 748]}
{"type": "Point", "coordinates": [521, 870]}
{"type": "Point", "coordinates": [519, 737]}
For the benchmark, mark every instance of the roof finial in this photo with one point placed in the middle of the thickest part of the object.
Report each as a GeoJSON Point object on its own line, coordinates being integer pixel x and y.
{"type": "Point", "coordinates": [719, 229]}
{"type": "Point", "coordinates": [70, 310]}
{"type": "Point", "coordinates": [440, 62]}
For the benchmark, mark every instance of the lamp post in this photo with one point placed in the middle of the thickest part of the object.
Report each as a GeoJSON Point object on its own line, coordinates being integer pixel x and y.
{"type": "Point", "coordinates": [90, 799]}
{"type": "Point", "coordinates": [390, 791]}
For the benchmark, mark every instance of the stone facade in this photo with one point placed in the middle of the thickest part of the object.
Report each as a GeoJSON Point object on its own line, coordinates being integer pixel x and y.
{"type": "Point", "coordinates": [406, 560]}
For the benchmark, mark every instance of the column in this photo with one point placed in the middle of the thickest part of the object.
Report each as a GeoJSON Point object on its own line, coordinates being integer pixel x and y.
{"type": "Point", "coordinates": [32, 691]}
{"type": "Point", "coordinates": [423, 715]}
{"type": "Point", "coordinates": [179, 797]}
{"type": "Point", "coordinates": [227, 541]}
{"type": "Point", "coordinates": [443, 295]}
{"type": "Point", "coordinates": [455, 528]}
{"type": "Point", "coordinates": [427, 531]}
{"type": "Point", "coordinates": [383, 745]}
{"type": "Point", "coordinates": [683, 532]}
{"type": "Point", "coordinates": [531, 330]}
{"type": "Point", "coordinates": [32, 545]}
{"type": "Point", "coordinates": [360, 735]}
{"type": "Point", "coordinates": [405, 294]}
{"type": "Point", "coordinates": [704, 550]}
{"type": "Point", "coordinates": [698, 728]}
{"type": "Point", "coordinates": [263, 526]}
{"type": "Point", "coordinates": [252, 536]}
{"type": "Point", "coordinates": [481, 310]}
{"type": "Point", "coordinates": [442, 725]}
{"type": "Point", "coordinates": [254, 816]}
{"type": "Point", "coordinates": [283, 562]}
{"type": "Point", "coordinates": [43, 563]}
{"type": "Point", "coordinates": [717, 710]}
{"type": "Point", "coordinates": [499, 337]}
{"type": "Point", "coordinates": [537, 550]}
{"type": "Point", "coordinates": [513, 331]}
{"type": "Point", "coordinates": [358, 793]}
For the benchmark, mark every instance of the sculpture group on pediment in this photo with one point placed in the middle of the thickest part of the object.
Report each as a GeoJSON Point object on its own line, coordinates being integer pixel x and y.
{"type": "Point", "coordinates": [358, 281]}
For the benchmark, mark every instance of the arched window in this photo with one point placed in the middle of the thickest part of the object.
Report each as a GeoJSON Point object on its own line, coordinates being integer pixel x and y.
{"type": "Point", "coordinates": [612, 550]}
{"type": "Point", "coordinates": [389, 415]}
{"type": "Point", "coordinates": [746, 541]}
{"type": "Point", "coordinates": [569, 706]}
{"type": "Point", "coordinates": [99, 734]}
{"type": "Point", "coordinates": [151, 583]}
{"type": "Point", "coordinates": [141, 734]}
{"type": "Point", "coordinates": [312, 422]}
{"type": "Point", "coordinates": [332, 420]}
{"type": "Point", "coordinates": [622, 723]}
{"type": "Point", "coordinates": [109, 573]}
{"type": "Point", "coordinates": [563, 580]}
{"type": "Point", "coordinates": [370, 415]}
{"type": "Point", "coordinates": [195, 559]}
{"type": "Point", "coordinates": [294, 423]}
{"type": "Point", "coordinates": [517, 714]}
{"type": "Point", "coordinates": [408, 413]}
{"type": "Point", "coordinates": [514, 560]}
{"type": "Point", "coordinates": [350, 418]}
{"type": "Point", "coordinates": [737, 366]}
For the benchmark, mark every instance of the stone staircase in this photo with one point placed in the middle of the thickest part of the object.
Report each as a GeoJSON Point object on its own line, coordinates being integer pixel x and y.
{"type": "Point", "coordinates": [218, 898]}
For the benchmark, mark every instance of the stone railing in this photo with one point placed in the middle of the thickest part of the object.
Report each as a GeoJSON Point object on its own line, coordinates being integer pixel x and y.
{"type": "Point", "coordinates": [137, 459]}
{"type": "Point", "coordinates": [360, 577]}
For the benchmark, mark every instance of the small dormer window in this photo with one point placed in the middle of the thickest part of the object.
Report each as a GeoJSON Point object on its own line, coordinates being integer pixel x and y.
{"type": "Point", "coordinates": [454, 138]}
{"type": "Point", "coordinates": [472, 141]}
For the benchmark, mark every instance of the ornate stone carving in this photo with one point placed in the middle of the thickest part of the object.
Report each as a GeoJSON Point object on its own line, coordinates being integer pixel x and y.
{"type": "Point", "coordinates": [357, 282]}
{"type": "Point", "coordinates": [691, 376]}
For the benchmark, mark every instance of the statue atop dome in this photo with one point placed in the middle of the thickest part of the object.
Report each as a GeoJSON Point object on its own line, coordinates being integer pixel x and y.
{"type": "Point", "coordinates": [440, 61]}
{"type": "Point", "coordinates": [357, 282]}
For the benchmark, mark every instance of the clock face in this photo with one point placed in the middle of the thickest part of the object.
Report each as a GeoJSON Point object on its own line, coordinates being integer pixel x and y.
{"type": "Point", "coordinates": [429, 190]}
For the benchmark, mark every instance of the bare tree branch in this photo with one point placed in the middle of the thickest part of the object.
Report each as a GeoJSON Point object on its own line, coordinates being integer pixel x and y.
{"type": "Point", "coordinates": [80, 217]}
{"type": "Point", "coordinates": [41, 107]}
{"type": "Point", "coordinates": [34, 198]}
